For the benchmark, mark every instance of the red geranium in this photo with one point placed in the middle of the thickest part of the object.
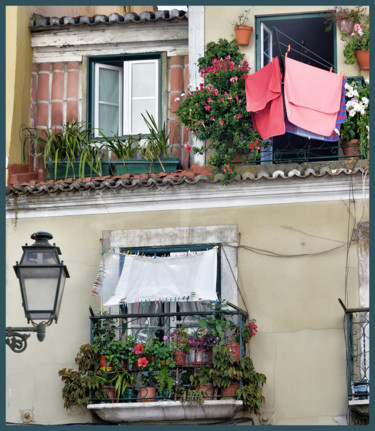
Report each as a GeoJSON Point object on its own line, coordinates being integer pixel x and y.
{"type": "Point", "coordinates": [138, 348]}
{"type": "Point", "coordinates": [142, 362]}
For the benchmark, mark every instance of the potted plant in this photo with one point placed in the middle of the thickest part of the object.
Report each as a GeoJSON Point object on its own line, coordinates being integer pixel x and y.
{"type": "Point", "coordinates": [200, 347]}
{"type": "Point", "coordinates": [124, 149]}
{"type": "Point", "coordinates": [104, 333]}
{"type": "Point", "coordinates": [156, 147]}
{"type": "Point", "coordinates": [357, 45]}
{"type": "Point", "coordinates": [354, 133]}
{"type": "Point", "coordinates": [180, 346]}
{"type": "Point", "coordinates": [202, 381]}
{"type": "Point", "coordinates": [88, 379]}
{"type": "Point", "coordinates": [70, 152]}
{"type": "Point", "coordinates": [242, 30]}
{"type": "Point", "coordinates": [165, 382]}
{"type": "Point", "coordinates": [215, 111]}
{"type": "Point", "coordinates": [124, 385]}
{"type": "Point", "coordinates": [241, 337]}
{"type": "Point", "coordinates": [345, 17]}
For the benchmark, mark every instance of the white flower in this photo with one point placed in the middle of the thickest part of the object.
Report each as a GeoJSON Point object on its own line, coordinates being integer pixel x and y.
{"type": "Point", "coordinates": [365, 101]}
{"type": "Point", "coordinates": [355, 93]}
{"type": "Point", "coordinates": [348, 87]}
{"type": "Point", "coordinates": [367, 81]}
{"type": "Point", "coordinates": [352, 113]}
{"type": "Point", "coordinates": [362, 112]}
{"type": "Point", "coordinates": [350, 93]}
{"type": "Point", "coordinates": [176, 99]}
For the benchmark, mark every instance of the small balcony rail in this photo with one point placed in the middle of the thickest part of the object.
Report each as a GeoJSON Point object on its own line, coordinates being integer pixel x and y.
{"type": "Point", "coordinates": [170, 352]}
{"type": "Point", "coordinates": [358, 354]}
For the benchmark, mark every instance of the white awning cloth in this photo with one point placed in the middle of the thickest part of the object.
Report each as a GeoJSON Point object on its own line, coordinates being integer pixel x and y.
{"type": "Point", "coordinates": [191, 277]}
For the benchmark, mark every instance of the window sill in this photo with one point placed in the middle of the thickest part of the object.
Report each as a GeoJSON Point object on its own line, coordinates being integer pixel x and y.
{"type": "Point", "coordinates": [166, 411]}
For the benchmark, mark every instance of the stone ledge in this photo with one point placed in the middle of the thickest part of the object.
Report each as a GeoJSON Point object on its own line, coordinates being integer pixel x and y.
{"type": "Point", "coordinates": [166, 411]}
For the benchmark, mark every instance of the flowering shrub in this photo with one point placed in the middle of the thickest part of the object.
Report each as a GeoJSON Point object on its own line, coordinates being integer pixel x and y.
{"type": "Point", "coordinates": [216, 110]}
{"type": "Point", "coordinates": [358, 114]}
{"type": "Point", "coordinates": [357, 41]}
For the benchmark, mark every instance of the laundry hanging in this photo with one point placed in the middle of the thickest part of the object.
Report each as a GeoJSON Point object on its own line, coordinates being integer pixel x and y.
{"type": "Point", "coordinates": [312, 97]}
{"type": "Point", "coordinates": [145, 278]}
{"type": "Point", "coordinates": [341, 118]}
{"type": "Point", "coordinates": [264, 100]}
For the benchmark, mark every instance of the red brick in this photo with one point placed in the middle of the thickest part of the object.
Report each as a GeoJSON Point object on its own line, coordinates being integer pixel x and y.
{"type": "Point", "coordinates": [34, 68]}
{"type": "Point", "coordinates": [175, 132]}
{"type": "Point", "coordinates": [72, 111]}
{"type": "Point", "coordinates": [176, 79]}
{"type": "Point", "coordinates": [57, 85]}
{"type": "Point", "coordinates": [45, 67]}
{"type": "Point", "coordinates": [57, 114]}
{"type": "Point", "coordinates": [73, 65]}
{"type": "Point", "coordinates": [177, 59]}
{"type": "Point", "coordinates": [175, 151]}
{"type": "Point", "coordinates": [33, 87]}
{"type": "Point", "coordinates": [42, 114]}
{"type": "Point", "coordinates": [58, 66]}
{"type": "Point", "coordinates": [73, 83]}
{"type": "Point", "coordinates": [43, 87]}
{"type": "Point", "coordinates": [186, 73]}
{"type": "Point", "coordinates": [175, 101]}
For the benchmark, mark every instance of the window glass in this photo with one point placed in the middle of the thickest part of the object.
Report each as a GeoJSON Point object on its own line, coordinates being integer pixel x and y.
{"type": "Point", "coordinates": [143, 79]}
{"type": "Point", "coordinates": [140, 107]}
{"type": "Point", "coordinates": [108, 119]}
{"type": "Point", "coordinates": [109, 86]}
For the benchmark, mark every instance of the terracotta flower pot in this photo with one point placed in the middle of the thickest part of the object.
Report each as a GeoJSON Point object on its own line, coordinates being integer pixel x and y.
{"type": "Point", "coordinates": [209, 391]}
{"type": "Point", "coordinates": [346, 26]}
{"type": "Point", "coordinates": [363, 59]}
{"type": "Point", "coordinates": [351, 149]}
{"type": "Point", "coordinates": [110, 391]}
{"type": "Point", "coordinates": [235, 349]}
{"type": "Point", "coordinates": [179, 358]}
{"type": "Point", "coordinates": [230, 391]}
{"type": "Point", "coordinates": [147, 394]}
{"type": "Point", "coordinates": [243, 34]}
{"type": "Point", "coordinates": [105, 365]}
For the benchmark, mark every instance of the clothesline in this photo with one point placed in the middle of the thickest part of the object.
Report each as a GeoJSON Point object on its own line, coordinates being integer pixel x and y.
{"type": "Point", "coordinates": [328, 65]}
{"type": "Point", "coordinates": [305, 48]}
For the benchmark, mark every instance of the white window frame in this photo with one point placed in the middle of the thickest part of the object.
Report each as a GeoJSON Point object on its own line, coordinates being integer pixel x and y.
{"type": "Point", "coordinates": [265, 32]}
{"type": "Point", "coordinates": [128, 97]}
{"type": "Point", "coordinates": [99, 66]}
{"type": "Point", "coordinates": [125, 94]}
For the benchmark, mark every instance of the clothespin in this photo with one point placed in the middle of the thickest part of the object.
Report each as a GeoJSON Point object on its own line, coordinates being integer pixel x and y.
{"type": "Point", "coordinates": [286, 54]}
{"type": "Point", "coordinates": [330, 70]}
{"type": "Point", "coordinates": [149, 302]}
{"type": "Point", "coordinates": [113, 249]}
{"type": "Point", "coordinates": [155, 255]}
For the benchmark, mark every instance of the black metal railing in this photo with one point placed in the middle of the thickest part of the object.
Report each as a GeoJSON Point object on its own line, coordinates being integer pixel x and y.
{"type": "Point", "coordinates": [166, 345]}
{"type": "Point", "coordinates": [358, 354]}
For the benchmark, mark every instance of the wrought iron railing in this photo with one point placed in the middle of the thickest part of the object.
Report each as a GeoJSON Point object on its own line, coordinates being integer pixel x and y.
{"type": "Point", "coordinates": [183, 357]}
{"type": "Point", "coordinates": [358, 354]}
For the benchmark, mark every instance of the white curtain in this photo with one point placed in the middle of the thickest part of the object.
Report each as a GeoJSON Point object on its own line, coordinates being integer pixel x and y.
{"type": "Point", "coordinates": [175, 278]}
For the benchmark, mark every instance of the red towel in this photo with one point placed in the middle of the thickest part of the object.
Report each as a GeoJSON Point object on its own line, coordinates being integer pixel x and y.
{"type": "Point", "coordinates": [312, 97]}
{"type": "Point", "coordinates": [264, 100]}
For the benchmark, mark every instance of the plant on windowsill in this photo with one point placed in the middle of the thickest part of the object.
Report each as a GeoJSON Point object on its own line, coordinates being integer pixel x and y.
{"type": "Point", "coordinates": [357, 45]}
{"type": "Point", "coordinates": [156, 148]}
{"type": "Point", "coordinates": [165, 381]}
{"type": "Point", "coordinates": [180, 346]}
{"type": "Point", "coordinates": [70, 152]}
{"type": "Point", "coordinates": [345, 17]}
{"type": "Point", "coordinates": [242, 30]}
{"type": "Point", "coordinates": [354, 133]}
{"type": "Point", "coordinates": [202, 381]}
{"type": "Point", "coordinates": [216, 111]}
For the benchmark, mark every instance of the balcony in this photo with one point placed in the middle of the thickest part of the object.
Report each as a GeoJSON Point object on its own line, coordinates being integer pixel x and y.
{"type": "Point", "coordinates": [358, 358]}
{"type": "Point", "coordinates": [173, 361]}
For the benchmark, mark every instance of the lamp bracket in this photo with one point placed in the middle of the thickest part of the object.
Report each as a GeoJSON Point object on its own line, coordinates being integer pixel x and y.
{"type": "Point", "coordinates": [17, 341]}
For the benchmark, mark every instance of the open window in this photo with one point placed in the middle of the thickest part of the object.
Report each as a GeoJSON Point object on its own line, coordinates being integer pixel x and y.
{"type": "Point", "coordinates": [121, 89]}
{"type": "Point", "coordinates": [311, 44]}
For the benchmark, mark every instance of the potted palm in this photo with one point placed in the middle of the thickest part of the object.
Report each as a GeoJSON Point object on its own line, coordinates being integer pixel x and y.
{"type": "Point", "coordinates": [242, 30]}
{"type": "Point", "coordinates": [70, 152]}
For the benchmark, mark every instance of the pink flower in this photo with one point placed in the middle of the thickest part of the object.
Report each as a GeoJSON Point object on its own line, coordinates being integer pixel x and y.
{"type": "Point", "coordinates": [251, 146]}
{"type": "Point", "coordinates": [212, 118]}
{"type": "Point", "coordinates": [187, 146]}
{"type": "Point", "coordinates": [186, 130]}
{"type": "Point", "coordinates": [202, 123]}
{"type": "Point", "coordinates": [138, 349]}
{"type": "Point", "coordinates": [230, 97]}
{"type": "Point", "coordinates": [207, 108]}
{"type": "Point", "coordinates": [230, 171]}
{"type": "Point", "coordinates": [212, 143]}
{"type": "Point", "coordinates": [257, 147]}
{"type": "Point", "coordinates": [209, 100]}
{"type": "Point", "coordinates": [215, 91]}
{"type": "Point", "coordinates": [222, 100]}
{"type": "Point", "coordinates": [197, 104]}
{"type": "Point", "coordinates": [239, 115]}
{"type": "Point", "coordinates": [233, 79]}
{"type": "Point", "coordinates": [221, 122]}
{"type": "Point", "coordinates": [142, 362]}
{"type": "Point", "coordinates": [196, 132]}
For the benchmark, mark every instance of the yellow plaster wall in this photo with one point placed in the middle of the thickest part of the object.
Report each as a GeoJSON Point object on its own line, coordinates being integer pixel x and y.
{"type": "Point", "coordinates": [300, 345]}
{"type": "Point", "coordinates": [219, 24]}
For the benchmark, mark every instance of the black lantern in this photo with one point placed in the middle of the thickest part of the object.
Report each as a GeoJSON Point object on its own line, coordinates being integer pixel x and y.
{"type": "Point", "coordinates": [42, 278]}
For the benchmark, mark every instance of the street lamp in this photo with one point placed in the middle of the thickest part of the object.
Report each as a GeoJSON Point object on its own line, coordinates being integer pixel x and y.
{"type": "Point", "coordinates": [42, 278]}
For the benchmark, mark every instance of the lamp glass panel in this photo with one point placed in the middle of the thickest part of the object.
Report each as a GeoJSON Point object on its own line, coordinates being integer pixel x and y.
{"type": "Point", "coordinates": [40, 257]}
{"type": "Point", "coordinates": [61, 291]}
{"type": "Point", "coordinates": [39, 287]}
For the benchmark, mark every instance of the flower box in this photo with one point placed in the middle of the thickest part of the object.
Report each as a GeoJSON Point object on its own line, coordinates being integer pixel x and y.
{"type": "Point", "coordinates": [144, 166]}
{"type": "Point", "coordinates": [63, 171]}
